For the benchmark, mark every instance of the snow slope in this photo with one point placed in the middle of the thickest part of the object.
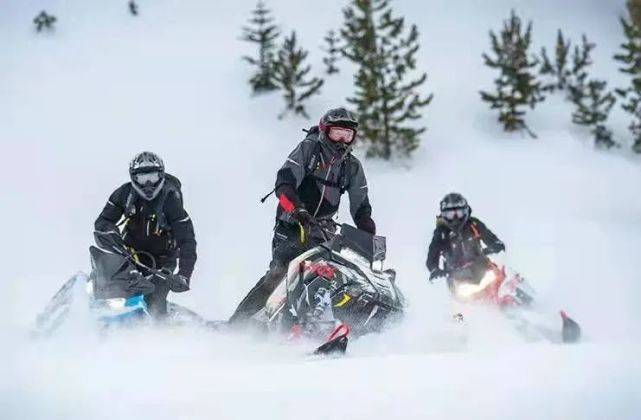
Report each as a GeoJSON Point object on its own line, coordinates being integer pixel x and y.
{"type": "Point", "coordinates": [75, 105]}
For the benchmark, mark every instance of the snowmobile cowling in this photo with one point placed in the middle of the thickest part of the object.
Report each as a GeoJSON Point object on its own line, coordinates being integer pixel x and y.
{"type": "Point", "coordinates": [333, 283]}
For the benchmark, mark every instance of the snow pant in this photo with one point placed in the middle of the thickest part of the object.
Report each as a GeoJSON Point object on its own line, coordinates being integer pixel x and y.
{"type": "Point", "coordinates": [286, 246]}
{"type": "Point", "coordinates": [157, 300]}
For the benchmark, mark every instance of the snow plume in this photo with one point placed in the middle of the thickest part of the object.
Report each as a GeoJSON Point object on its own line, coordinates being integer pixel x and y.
{"type": "Point", "coordinates": [79, 101]}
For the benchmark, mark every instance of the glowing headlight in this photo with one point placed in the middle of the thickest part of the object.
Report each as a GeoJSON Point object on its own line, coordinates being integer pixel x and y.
{"type": "Point", "coordinates": [466, 290]}
{"type": "Point", "coordinates": [116, 303]}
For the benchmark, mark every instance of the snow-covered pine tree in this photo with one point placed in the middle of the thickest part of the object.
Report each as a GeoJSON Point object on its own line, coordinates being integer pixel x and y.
{"type": "Point", "coordinates": [133, 8]}
{"type": "Point", "coordinates": [387, 98]}
{"type": "Point", "coordinates": [557, 70]}
{"type": "Point", "coordinates": [569, 74]}
{"type": "Point", "coordinates": [333, 52]}
{"type": "Point", "coordinates": [517, 86]}
{"type": "Point", "coordinates": [264, 32]}
{"type": "Point", "coordinates": [44, 21]}
{"type": "Point", "coordinates": [634, 7]}
{"type": "Point", "coordinates": [291, 77]}
{"type": "Point", "coordinates": [593, 104]}
{"type": "Point", "coordinates": [630, 59]}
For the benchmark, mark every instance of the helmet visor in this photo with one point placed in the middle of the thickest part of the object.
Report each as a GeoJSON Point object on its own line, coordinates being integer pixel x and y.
{"type": "Point", "coordinates": [341, 134]}
{"type": "Point", "coordinates": [455, 214]}
{"type": "Point", "coordinates": [147, 178]}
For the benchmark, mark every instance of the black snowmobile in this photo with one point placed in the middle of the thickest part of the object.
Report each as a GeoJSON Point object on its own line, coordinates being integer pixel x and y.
{"type": "Point", "coordinates": [114, 292]}
{"type": "Point", "coordinates": [335, 288]}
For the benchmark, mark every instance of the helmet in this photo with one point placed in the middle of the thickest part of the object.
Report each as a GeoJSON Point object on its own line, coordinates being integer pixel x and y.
{"type": "Point", "coordinates": [147, 172]}
{"type": "Point", "coordinates": [339, 125]}
{"type": "Point", "coordinates": [454, 210]}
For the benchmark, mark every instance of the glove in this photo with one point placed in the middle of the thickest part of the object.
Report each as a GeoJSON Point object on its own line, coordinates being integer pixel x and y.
{"type": "Point", "coordinates": [178, 283]}
{"type": "Point", "coordinates": [306, 221]}
{"type": "Point", "coordinates": [437, 273]}
{"type": "Point", "coordinates": [303, 217]}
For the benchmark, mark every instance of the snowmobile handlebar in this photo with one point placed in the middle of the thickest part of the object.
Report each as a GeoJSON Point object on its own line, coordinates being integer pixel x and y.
{"type": "Point", "coordinates": [175, 283]}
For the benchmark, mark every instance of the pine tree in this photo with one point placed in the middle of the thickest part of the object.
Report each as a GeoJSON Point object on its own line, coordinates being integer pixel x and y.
{"type": "Point", "coordinates": [630, 59]}
{"type": "Point", "coordinates": [333, 51]}
{"type": "Point", "coordinates": [44, 21]}
{"type": "Point", "coordinates": [593, 104]}
{"type": "Point", "coordinates": [133, 8]}
{"type": "Point", "coordinates": [558, 69]}
{"type": "Point", "coordinates": [569, 74]}
{"type": "Point", "coordinates": [263, 32]}
{"type": "Point", "coordinates": [634, 8]}
{"type": "Point", "coordinates": [387, 100]}
{"type": "Point", "coordinates": [563, 71]}
{"type": "Point", "coordinates": [517, 86]}
{"type": "Point", "coordinates": [290, 76]}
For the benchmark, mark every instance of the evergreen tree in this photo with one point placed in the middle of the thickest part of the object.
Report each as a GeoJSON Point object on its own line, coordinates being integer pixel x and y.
{"type": "Point", "coordinates": [387, 99]}
{"type": "Point", "coordinates": [44, 21]}
{"type": "Point", "coordinates": [593, 104]}
{"type": "Point", "coordinates": [263, 32]}
{"type": "Point", "coordinates": [333, 51]}
{"type": "Point", "coordinates": [630, 59]}
{"type": "Point", "coordinates": [569, 74]}
{"type": "Point", "coordinates": [634, 8]}
{"type": "Point", "coordinates": [133, 8]}
{"type": "Point", "coordinates": [290, 76]}
{"type": "Point", "coordinates": [517, 86]}
{"type": "Point", "coordinates": [558, 69]}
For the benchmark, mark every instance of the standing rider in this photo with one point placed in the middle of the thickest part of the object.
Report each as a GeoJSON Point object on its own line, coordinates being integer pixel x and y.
{"type": "Point", "coordinates": [309, 187]}
{"type": "Point", "coordinates": [459, 239]}
{"type": "Point", "coordinates": [156, 229]}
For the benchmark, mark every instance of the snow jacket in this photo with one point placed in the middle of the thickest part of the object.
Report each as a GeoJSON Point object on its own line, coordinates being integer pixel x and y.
{"type": "Point", "coordinates": [160, 227]}
{"type": "Point", "coordinates": [459, 247]}
{"type": "Point", "coordinates": [316, 175]}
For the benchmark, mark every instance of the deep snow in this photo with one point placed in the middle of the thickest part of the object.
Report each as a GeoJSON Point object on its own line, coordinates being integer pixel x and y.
{"type": "Point", "coordinates": [78, 103]}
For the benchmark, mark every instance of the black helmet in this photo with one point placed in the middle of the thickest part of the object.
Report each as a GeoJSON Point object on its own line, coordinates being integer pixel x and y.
{"type": "Point", "coordinates": [346, 126]}
{"type": "Point", "coordinates": [454, 210]}
{"type": "Point", "coordinates": [147, 172]}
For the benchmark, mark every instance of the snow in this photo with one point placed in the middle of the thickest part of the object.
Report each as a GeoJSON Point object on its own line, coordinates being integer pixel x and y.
{"type": "Point", "coordinates": [79, 102]}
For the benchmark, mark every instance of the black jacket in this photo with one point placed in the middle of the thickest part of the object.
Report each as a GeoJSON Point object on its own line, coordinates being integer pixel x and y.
{"type": "Point", "coordinates": [162, 229]}
{"type": "Point", "coordinates": [315, 175]}
{"type": "Point", "coordinates": [459, 247]}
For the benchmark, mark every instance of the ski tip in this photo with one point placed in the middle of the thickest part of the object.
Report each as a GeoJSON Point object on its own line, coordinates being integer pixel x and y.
{"type": "Point", "coordinates": [335, 347]}
{"type": "Point", "coordinates": [570, 331]}
{"type": "Point", "coordinates": [336, 343]}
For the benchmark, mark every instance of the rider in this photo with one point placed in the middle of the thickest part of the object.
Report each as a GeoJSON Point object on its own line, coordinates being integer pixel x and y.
{"type": "Point", "coordinates": [309, 187]}
{"type": "Point", "coordinates": [156, 229]}
{"type": "Point", "coordinates": [459, 238]}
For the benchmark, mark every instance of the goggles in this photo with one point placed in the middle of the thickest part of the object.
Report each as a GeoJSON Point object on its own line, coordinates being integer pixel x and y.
{"type": "Point", "coordinates": [147, 178]}
{"type": "Point", "coordinates": [341, 134]}
{"type": "Point", "coordinates": [457, 213]}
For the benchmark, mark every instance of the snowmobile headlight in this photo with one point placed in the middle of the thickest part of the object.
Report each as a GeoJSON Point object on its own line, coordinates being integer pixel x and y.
{"type": "Point", "coordinates": [116, 303]}
{"type": "Point", "coordinates": [467, 290]}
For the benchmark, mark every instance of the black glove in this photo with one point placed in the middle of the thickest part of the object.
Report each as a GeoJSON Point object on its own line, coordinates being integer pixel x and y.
{"type": "Point", "coordinates": [437, 273]}
{"type": "Point", "coordinates": [303, 217]}
{"type": "Point", "coordinates": [178, 283]}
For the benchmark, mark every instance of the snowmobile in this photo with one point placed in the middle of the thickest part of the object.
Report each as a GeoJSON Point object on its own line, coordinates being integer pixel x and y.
{"type": "Point", "coordinates": [334, 289]}
{"type": "Point", "coordinates": [113, 294]}
{"type": "Point", "coordinates": [484, 281]}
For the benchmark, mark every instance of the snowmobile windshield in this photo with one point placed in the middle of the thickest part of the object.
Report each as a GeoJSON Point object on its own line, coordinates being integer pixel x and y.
{"type": "Point", "coordinates": [373, 248]}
